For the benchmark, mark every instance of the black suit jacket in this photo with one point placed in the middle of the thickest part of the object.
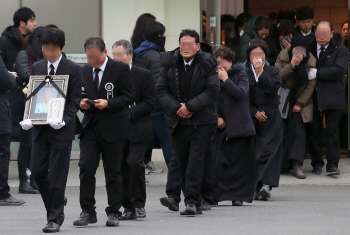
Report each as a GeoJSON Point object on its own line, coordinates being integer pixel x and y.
{"type": "Point", "coordinates": [140, 113]}
{"type": "Point", "coordinates": [113, 120]}
{"type": "Point", "coordinates": [73, 97]}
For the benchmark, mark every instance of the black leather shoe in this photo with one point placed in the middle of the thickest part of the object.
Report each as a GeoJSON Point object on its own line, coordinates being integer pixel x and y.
{"type": "Point", "coordinates": [25, 188]}
{"type": "Point", "coordinates": [317, 170]}
{"type": "Point", "coordinates": [112, 221]}
{"type": "Point", "coordinates": [206, 206]}
{"type": "Point", "coordinates": [237, 203]}
{"type": "Point", "coordinates": [127, 215]}
{"type": "Point", "coordinates": [264, 194]}
{"type": "Point", "coordinates": [11, 201]}
{"type": "Point", "coordinates": [33, 184]}
{"type": "Point", "coordinates": [140, 213]}
{"type": "Point", "coordinates": [190, 210]}
{"type": "Point", "coordinates": [170, 203]}
{"type": "Point", "coordinates": [65, 201]}
{"type": "Point", "coordinates": [85, 219]}
{"type": "Point", "coordinates": [51, 227]}
{"type": "Point", "coordinates": [199, 211]}
{"type": "Point", "coordinates": [215, 203]}
{"type": "Point", "coordinates": [333, 171]}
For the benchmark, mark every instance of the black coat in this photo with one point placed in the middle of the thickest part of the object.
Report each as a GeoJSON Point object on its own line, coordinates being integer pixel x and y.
{"type": "Point", "coordinates": [264, 94]}
{"type": "Point", "coordinates": [205, 88]}
{"type": "Point", "coordinates": [112, 121]}
{"type": "Point", "coordinates": [150, 61]}
{"type": "Point", "coordinates": [140, 113]}
{"type": "Point", "coordinates": [10, 45]}
{"type": "Point", "coordinates": [7, 81]}
{"type": "Point", "coordinates": [23, 69]}
{"type": "Point", "coordinates": [233, 105]}
{"type": "Point", "coordinates": [73, 97]}
{"type": "Point", "coordinates": [331, 69]}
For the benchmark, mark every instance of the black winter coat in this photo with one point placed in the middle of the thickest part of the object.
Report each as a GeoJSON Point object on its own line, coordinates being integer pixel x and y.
{"type": "Point", "coordinates": [10, 45]}
{"type": "Point", "coordinates": [6, 82]}
{"type": "Point", "coordinates": [205, 88]}
{"type": "Point", "coordinates": [331, 69]}
{"type": "Point", "coordinates": [233, 105]}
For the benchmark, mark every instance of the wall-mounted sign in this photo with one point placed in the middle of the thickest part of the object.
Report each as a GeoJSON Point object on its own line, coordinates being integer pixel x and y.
{"type": "Point", "coordinates": [79, 58]}
{"type": "Point", "coordinates": [212, 21]}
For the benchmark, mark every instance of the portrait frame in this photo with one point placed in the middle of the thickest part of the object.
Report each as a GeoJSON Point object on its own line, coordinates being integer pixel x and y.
{"type": "Point", "coordinates": [36, 107]}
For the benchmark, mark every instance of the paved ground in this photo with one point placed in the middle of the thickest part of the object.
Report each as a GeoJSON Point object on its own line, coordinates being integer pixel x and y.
{"type": "Point", "coordinates": [316, 205]}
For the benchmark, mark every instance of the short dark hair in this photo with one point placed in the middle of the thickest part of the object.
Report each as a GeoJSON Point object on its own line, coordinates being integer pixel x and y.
{"type": "Point", "coordinates": [304, 13]}
{"type": "Point", "coordinates": [262, 23]}
{"type": "Point", "coordinates": [226, 53]}
{"type": "Point", "coordinates": [189, 32]}
{"type": "Point", "coordinates": [255, 43]}
{"type": "Point", "coordinates": [286, 15]}
{"type": "Point", "coordinates": [153, 29]}
{"type": "Point", "coordinates": [23, 14]}
{"type": "Point", "coordinates": [325, 21]}
{"type": "Point", "coordinates": [55, 37]}
{"type": "Point", "coordinates": [241, 20]}
{"type": "Point", "coordinates": [285, 27]}
{"type": "Point", "coordinates": [227, 18]}
{"type": "Point", "coordinates": [51, 26]}
{"type": "Point", "coordinates": [95, 42]}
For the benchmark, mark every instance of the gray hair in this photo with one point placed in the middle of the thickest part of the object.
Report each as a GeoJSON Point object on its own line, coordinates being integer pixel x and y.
{"type": "Point", "coordinates": [126, 45]}
{"type": "Point", "coordinates": [95, 42]}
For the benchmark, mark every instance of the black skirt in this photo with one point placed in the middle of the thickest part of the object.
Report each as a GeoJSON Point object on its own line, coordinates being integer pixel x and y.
{"type": "Point", "coordinates": [235, 169]}
{"type": "Point", "coordinates": [269, 151]}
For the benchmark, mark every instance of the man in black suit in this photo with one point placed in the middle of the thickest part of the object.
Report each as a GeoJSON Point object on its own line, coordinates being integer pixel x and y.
{"type": "Point", "coordinates": [107, 93]}
{"type": "Point", "coordinates": [52, 144]}
{"type": "Point", "coordinates": [140, 133]}
{"type": "Point", "coordinates": [329, 96]}
{"type": "Point", "coordinates": [188, 88]}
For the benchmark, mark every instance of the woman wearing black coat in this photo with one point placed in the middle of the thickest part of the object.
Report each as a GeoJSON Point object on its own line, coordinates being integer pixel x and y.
{"type": "Point", "coordinates": [235, 168]}
{"type": "Point", "coordinates": [264, 82]}
{"type": "Point", "coordinates": [24, 61]}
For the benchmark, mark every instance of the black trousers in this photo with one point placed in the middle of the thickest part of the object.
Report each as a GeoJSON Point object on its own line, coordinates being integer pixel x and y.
{"type": "Point", "coordinates": [133, 175]}
{"type": "Point", "coordinates": [174, 183]}
{"type": "Point", "coordinates": [50, 166]}
{"type": "Point", "coordinates": [332, 117]}
{"type": "Point", "coordinates": [4, 165]}
{"type": "Point", "coordinates": [92, 144]}
{"type": "Point", "coordinates": [190, 145]}
{"type": "Point", "coordinates": [24, 153]}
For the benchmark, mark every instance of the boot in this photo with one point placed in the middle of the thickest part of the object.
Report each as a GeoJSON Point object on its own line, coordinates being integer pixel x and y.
{"type": "Point", "coordinates": [25, 188]}
{"type": "Point", "coordinates": [298, 170]}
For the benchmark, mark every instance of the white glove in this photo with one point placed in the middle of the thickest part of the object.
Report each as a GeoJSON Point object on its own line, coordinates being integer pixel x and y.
{"type": "Point", "coordinates": [56, 124]}
{"type": "Point", "coordinates": [312, 73]}
{"type": "Point", "coordinates": [26, 124]}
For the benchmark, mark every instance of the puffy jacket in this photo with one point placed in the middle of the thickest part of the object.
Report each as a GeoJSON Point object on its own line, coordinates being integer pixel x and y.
{"type": "Point", "coordinates": [205, 88]}
{"type": "Point", "coordinates": [10, 45]}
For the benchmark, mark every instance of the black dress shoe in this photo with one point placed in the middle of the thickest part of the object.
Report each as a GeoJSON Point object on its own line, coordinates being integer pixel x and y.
{"type": "Point", "coordinates": [65, 201]}
{"type": "Point", "coordinates": [317, 170]}
{"type": "Point", "coordinates": [170, 203]}
{"type": "Point", "coordinates": [25, 188]}
{"type": "Point", "coordinates": [264, 194]}
{"type": "Point", "coordinates": [333, 171]}
{"type": "Point", "coordinates": [127, 215]}
{"type": "Point", "coordinates": [206, 206]}
{"type": "Point", "coordinates": [51, 227]}
{"type": "Point", "coordinates": [215, 203]}
{"type": "Point", "coordinates": [190, 210]}
{"type": "Point", "coordinates": [237, 203]}
{"type": "Point", "coordinates": [140, 213]}
{"type": "Point", "coordinates": [11, 201]}
{"type": "Point", "coordinates": [33, 184]}
{"type": "Point", "coordinates": [85, 219]}
{"type": "Point", "coordinates": [112, 221]}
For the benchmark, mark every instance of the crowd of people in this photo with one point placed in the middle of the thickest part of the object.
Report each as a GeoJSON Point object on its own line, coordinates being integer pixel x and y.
{"type": "Point", "coordinates": [228, 121]}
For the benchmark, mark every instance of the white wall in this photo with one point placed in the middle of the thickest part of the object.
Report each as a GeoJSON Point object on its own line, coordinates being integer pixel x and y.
{"type": "Point", "coordinates": [119, 18]}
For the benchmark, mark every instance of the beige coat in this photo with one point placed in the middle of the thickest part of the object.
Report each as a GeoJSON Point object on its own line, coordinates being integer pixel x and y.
{"type": "Point", "coordinates": [304, 93]}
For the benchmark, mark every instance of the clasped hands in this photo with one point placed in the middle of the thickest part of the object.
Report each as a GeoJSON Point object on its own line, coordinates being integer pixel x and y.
{"type": "Point", "coordinates": [183, 112]}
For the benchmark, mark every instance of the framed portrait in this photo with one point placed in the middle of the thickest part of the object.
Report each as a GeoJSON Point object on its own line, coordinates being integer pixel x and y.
{"type": "Point", "coordinates": [37, 107]}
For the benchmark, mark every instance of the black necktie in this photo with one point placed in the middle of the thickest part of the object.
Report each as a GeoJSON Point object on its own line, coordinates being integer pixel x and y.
{"type": "Point", "coordinates": [187, 67]}
{"type": "Point", "coordinates": [97, 79]}
{"type": "Point", "coordinates": [52, 71]}
{"type": "Point", "coordinates": [321, 53]}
